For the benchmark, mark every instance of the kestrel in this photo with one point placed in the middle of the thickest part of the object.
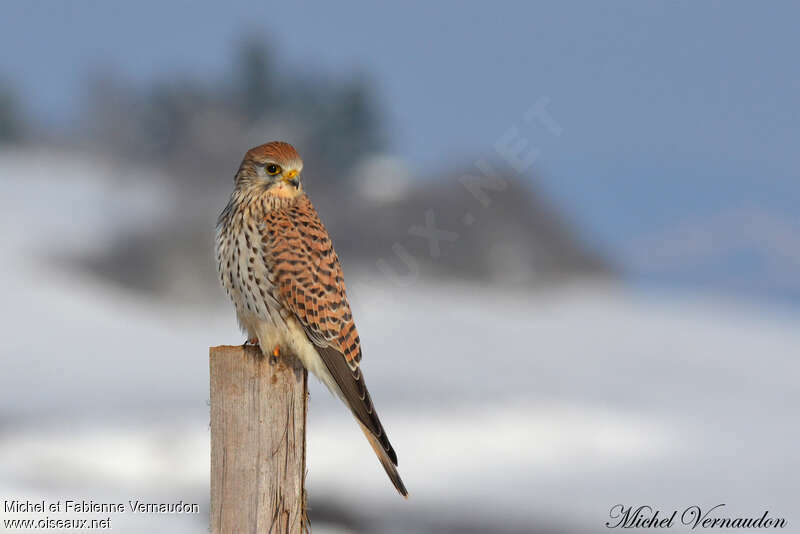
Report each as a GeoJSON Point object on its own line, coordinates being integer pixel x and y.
{"type": "Point", "coordinates": [276, 262]}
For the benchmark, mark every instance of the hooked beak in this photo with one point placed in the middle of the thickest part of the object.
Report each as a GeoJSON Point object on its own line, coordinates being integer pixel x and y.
{"type": "Point", "coordinates": [291, 178]}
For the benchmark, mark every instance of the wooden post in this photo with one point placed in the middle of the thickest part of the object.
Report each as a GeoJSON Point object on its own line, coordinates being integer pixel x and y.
{"type": "Point", "coordinates": [258, 442]}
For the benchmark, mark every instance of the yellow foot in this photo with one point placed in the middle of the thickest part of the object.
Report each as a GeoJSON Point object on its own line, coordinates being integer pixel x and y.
{"type": "Point", "coordinates": [276, 352]}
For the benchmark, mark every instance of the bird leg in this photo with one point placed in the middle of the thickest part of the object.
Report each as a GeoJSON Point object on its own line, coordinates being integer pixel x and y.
{"type": "Point", "coordinates": [276, 352]}
{"type": "Point", "coordinates": [251, 341]}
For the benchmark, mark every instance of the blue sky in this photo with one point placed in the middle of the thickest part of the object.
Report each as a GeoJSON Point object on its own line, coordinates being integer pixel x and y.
{"type": "Point", "coordinates": [672, 112]}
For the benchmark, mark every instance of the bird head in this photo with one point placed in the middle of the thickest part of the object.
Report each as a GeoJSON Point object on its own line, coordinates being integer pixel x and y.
{"type": "Point", "coordinates": [273, 168]}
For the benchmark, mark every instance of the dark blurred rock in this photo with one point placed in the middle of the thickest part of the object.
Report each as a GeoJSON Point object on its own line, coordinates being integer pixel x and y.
{"type": "Point", "coordinates": [518, 238]}
{"type": "Point", "coordinates": [13, 126]}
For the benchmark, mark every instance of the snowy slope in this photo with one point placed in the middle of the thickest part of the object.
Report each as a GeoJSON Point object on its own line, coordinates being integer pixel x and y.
{"type": "Point", "coordinates": [516, 410]}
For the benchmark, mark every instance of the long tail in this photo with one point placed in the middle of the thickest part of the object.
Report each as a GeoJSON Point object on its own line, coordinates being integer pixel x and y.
{"type": "Point", "coordinates": [388, 465]}
{"type": "Point", "coordinates": [347, 382]}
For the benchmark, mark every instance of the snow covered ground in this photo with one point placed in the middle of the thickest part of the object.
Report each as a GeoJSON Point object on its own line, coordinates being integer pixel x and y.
{"type": "Point", "coordinates": [510, 412]}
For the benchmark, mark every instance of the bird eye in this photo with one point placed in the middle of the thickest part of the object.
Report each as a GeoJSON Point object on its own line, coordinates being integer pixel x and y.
{"type": "Point", "coordinates": [273, 169]}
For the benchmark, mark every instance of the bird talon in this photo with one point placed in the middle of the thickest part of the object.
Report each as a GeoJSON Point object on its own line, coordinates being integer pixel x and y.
{"type": "Point", "coordinates": [276, 352]}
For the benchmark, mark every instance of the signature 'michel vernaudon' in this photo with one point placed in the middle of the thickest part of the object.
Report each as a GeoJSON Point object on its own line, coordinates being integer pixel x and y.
{"type": "Point", "coordinates": [693, 517]}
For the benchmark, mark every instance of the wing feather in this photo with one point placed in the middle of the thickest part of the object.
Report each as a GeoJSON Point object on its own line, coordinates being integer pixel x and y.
{"type": "Point", "coordinates": [309, 277]}
{"type": "Point", "coordinates": [310, 285]}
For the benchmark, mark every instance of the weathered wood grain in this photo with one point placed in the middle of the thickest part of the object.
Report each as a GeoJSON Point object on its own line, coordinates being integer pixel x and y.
{"type": "Point", "coordinates": [258, 445]}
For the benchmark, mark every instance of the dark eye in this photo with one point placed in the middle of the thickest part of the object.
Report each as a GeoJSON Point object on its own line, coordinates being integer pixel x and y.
{"type": "Point", "coordinates": [273, 169]}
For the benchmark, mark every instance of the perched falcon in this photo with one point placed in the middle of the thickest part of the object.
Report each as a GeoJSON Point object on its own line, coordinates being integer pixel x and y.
{"type": "Point", "coordinates": [277, 263]}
